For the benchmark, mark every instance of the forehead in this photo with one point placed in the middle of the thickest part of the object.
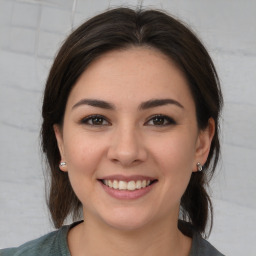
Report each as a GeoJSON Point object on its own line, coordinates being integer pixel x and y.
{"type": "Point", "coordinates": [135, 74]}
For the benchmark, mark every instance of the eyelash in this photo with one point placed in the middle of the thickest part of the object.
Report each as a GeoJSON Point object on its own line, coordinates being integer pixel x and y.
{"type": "Point", "coordinates": [87, 119]}
{"type": "Point", "coordinates": [167, 120]}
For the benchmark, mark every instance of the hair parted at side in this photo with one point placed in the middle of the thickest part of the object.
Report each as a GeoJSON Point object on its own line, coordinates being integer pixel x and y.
{"type": "Point", "coordinates": [119, 29]}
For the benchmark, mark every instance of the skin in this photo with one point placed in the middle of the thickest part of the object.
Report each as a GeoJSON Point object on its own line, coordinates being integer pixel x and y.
{"type": "Point", "coordinates": [127, 141]}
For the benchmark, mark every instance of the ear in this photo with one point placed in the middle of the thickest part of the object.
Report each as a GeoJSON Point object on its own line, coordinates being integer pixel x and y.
{"type": "Point", "coordinates": [203, 144]}
{"type": "Point", "coordinates": [59, 137]}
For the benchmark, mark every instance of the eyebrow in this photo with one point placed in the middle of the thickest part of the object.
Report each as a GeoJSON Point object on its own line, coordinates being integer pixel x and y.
{"type": "Point", "coordinates": [95, 103]}
{"type": "Point", "coordinates": [157, 103]}
{"type": "Point", "coordinates": [143, 106]}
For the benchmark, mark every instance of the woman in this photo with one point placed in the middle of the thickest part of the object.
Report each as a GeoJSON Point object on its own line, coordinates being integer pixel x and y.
{"type": "Point", "coordinates": [130, 132]}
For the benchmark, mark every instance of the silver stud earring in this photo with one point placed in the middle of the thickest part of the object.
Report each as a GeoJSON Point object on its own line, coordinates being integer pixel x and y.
{"type": "Point", "coordinates": [62, 164]}
{"type": "Point", "coordinates": [199, 167]}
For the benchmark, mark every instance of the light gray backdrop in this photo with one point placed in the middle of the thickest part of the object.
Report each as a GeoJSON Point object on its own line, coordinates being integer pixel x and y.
{"type": "Point", "coordinates": [30, 33]}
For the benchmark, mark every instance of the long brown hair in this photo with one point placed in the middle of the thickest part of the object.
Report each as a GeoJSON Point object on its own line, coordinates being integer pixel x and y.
{"type": "Point", "coordinates": [119, 29]}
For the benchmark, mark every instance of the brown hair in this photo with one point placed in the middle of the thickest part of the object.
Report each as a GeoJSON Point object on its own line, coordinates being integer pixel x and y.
{"type": "Point", "coordinates": [119, 29]}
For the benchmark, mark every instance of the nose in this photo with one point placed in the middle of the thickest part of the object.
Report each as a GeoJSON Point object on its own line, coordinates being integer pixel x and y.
{"type": "Point", "coordinates": [127, 147]}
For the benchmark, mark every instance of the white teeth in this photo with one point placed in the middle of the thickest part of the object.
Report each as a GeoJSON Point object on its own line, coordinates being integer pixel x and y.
{"type": "Point", "coordinates": [115, 184]}
{"type": "Point", "coordinates": [131, 185]}
{"type": "Point", "coordinates": [110, 184]}
{"type": "Point", "coordinates": [138, 184]}
{"type": "Point", "coordinates": [123, 185]}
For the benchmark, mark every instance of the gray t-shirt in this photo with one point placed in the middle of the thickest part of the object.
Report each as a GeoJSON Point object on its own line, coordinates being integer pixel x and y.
{"type": "Point", "coordinates": [55, 244]}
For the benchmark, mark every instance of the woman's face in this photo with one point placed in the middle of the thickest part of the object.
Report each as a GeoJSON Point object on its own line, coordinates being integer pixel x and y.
{"type": "Point", "coordinates": [130, 139]}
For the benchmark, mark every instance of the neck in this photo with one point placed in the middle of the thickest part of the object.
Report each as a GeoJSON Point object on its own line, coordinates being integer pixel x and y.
{"type": "Point", "coordinates": [94, 238]}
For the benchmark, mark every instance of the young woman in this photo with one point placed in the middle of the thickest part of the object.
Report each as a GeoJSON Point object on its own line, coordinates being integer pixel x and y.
{"type": "Point", "coordinates": [130, 132]}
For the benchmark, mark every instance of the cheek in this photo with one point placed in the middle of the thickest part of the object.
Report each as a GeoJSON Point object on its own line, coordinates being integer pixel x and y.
{"type": "Point", "coordinates": [83, 157]}
{"type": "Point", "coordinates": [82, 153]}
{"type": "Point", "coordinates": [175, 152]}
{"type": "Point", "coordinates": [175, 158]}
{"type": "Point", "coordinates": [176, 168]}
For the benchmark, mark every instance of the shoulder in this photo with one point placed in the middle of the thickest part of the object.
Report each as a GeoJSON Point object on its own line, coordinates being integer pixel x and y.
{"type": "Point", "coordinates": [201, 247]}
{"type": "Point", "coordinates": [54, 243]}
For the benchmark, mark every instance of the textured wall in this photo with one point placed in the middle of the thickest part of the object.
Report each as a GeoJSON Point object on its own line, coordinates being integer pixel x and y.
{"type": "Point", "coordinates": [30, 33]}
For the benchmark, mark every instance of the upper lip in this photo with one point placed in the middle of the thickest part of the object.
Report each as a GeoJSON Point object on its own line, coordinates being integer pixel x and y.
{"type": "Point", "coordinates": [119, 177]}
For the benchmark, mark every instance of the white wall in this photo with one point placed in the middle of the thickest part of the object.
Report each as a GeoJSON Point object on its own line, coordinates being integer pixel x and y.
{"type": "Point", "coordinates": [30, 33]}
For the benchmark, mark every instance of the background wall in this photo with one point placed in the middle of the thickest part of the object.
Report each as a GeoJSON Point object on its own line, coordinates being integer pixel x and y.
{"type": "Point", "coordinates": [30, 33]}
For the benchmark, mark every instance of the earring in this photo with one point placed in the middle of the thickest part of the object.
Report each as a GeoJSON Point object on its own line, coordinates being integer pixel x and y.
{"type": "Point", "coordinates": [62, 164]}
{"type": "Point", "coordinates": [199, 167]}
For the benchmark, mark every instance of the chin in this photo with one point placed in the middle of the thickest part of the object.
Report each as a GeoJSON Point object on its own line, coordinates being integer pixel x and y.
{"type": "Point", "coordinates": [126, 225]}
{"type": "Point", "coordinates": [124, 221]}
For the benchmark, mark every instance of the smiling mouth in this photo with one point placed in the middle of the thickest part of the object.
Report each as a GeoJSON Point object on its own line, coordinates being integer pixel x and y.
{"type": "Point", "coordinates": [131, 185]}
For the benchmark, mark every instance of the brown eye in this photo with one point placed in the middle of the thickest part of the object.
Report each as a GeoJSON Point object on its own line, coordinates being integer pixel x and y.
{"type": "Point", "coordinates": [160, 120]}
{"type": "Point", "coordinates": [95, 120]}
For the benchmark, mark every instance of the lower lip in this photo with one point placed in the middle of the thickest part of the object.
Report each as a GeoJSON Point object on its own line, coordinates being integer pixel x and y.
{"type": "Point", "coordinates": [126, 194]}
